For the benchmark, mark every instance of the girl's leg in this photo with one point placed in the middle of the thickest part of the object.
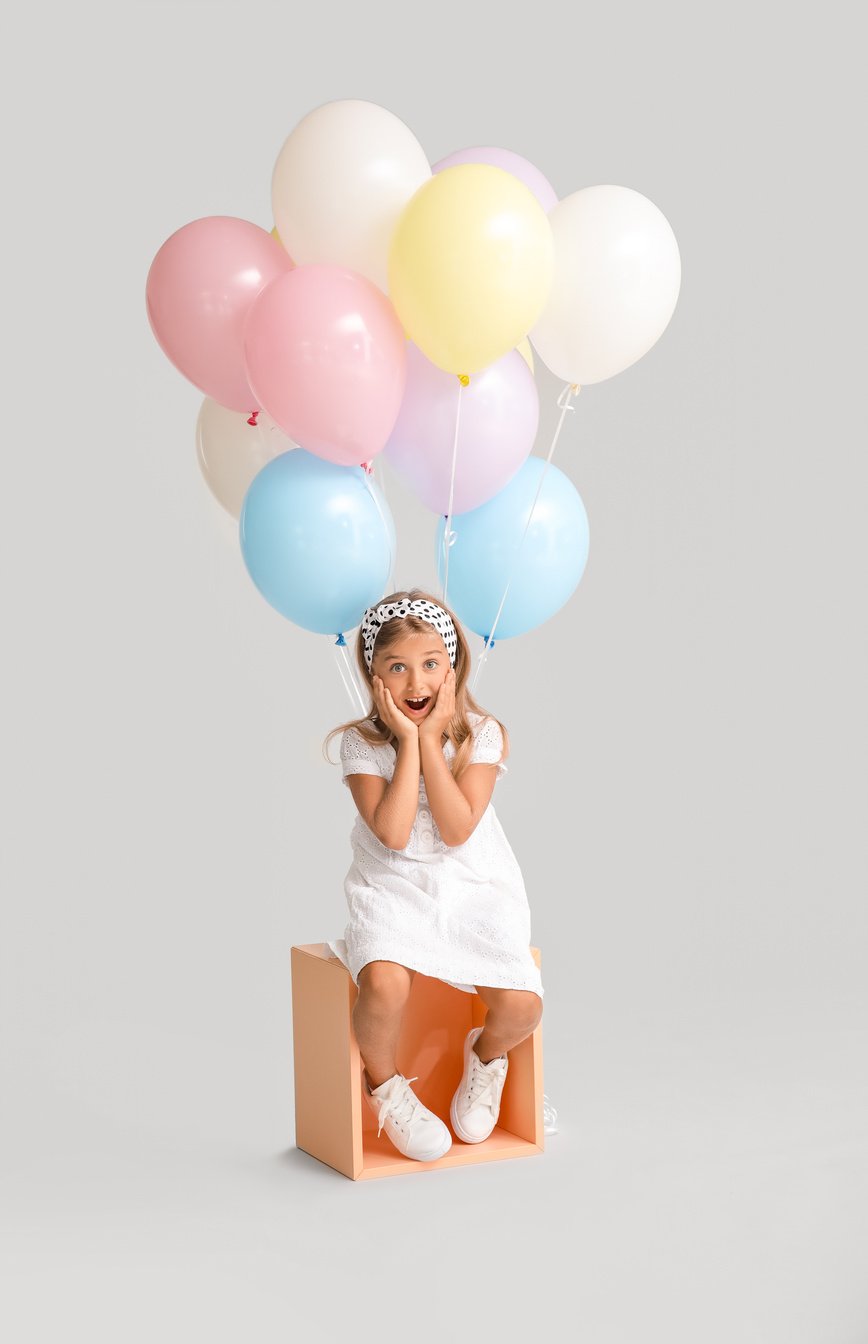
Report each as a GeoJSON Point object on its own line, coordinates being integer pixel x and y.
{"type": "Point", "coordinates": [384, 988]}
{"type": "Point", "coordinates": [513, 1014]}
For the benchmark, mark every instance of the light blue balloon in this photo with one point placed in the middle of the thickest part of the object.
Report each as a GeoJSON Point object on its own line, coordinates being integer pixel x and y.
{"type": "Point", "coordinates": [314, 541]}
{"type": "Point", "coordinates": [550, 563]}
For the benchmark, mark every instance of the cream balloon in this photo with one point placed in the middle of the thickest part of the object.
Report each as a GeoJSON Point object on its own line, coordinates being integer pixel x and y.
{"type": "Point", "coordinates": [616, 283]}
{"type": "Point", "coordinates": [340, 182]}
{"type": "Point", "coordinates": [231, 451]}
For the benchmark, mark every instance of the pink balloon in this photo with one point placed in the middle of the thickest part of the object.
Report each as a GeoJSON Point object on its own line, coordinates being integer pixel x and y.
{"type": "Point", "coordinates": [497, 429]}
{"type": "Point", "coordinates": [200, 287]}
{"type": "Point", "coordinates": [521, 168]}
{"type": "Point", "coordinates": [326, 357]}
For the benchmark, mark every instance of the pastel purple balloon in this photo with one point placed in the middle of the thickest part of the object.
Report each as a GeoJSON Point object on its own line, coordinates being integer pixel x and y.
{"type": "Point", "coordinates": [325, 356]}
{"type": "Point", "coordinates": [510, 163]}
{"type": "Point", "coordinates": [497, 429]}
{"type": "Point", "coordinates": [200, 288]}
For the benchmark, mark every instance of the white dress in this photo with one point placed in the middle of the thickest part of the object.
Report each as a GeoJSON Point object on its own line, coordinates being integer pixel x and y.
{"type": "Point", "coordinates": [457, 913]}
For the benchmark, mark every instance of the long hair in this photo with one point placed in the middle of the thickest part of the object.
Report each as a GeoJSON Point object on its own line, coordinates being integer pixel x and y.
{"type": "Point", "coordinates": [459, 730]}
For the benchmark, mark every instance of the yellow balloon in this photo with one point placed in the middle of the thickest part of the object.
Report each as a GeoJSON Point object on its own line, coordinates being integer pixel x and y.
{"type": "Point", "coordinates": [277, 238]}
{"type": "Point", "coordinates": [526, 353]}
{"type": "Point", "coordinates": [470, 266]}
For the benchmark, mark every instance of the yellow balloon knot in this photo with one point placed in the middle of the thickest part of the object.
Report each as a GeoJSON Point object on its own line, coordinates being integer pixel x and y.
{"type": "Point", "coordinates": [464, 379]}
{"type": "Point", "coordinates": [575, 389]}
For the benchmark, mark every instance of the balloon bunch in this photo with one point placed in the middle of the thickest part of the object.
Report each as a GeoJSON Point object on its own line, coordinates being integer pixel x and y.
{"type": "Point", "coordinates": [388, 312]}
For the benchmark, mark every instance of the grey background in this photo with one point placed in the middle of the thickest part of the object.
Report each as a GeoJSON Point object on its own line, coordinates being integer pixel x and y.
{"type": "Point", "coordinates": [687, 786]}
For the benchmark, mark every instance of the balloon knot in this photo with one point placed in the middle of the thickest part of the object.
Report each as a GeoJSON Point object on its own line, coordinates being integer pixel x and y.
{"type": "Point", "coordinates": [340, 639]}
{"type": "Point", "coordinates": [464, 379]}
{"type": "Point", "coordinates": [492, 643]}
{"type": "Point", "coordinates": [253, 417]}
{"type": "Point", "coordinates": [368, 468]}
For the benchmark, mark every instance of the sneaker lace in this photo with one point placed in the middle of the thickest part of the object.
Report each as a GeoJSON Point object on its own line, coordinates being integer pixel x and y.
{"type": "Point", "coordinates": [401, 1104]}
{"type": "Point", "coordinates": [485, 1082]}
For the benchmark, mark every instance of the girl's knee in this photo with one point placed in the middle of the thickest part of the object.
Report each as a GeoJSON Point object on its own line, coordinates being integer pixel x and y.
{"type": "Point", "coordinates": [386, 980]}
{"type": "Point", "coordinates": [530, 1007]}
{"type": "Point", "coordinates": [522, 1007]}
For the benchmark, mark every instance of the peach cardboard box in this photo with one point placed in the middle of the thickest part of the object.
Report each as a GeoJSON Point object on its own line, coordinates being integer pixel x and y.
{"type": "Point", "coordinates": [332, 1120]}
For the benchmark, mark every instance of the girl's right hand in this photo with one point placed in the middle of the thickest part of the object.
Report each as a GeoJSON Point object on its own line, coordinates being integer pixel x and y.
{"type": "Point", "coordinates": [391, 715]}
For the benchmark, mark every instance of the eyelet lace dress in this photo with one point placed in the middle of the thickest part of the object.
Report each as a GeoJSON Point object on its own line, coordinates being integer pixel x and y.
{"type": "Point", "coordinates": [457, 913]}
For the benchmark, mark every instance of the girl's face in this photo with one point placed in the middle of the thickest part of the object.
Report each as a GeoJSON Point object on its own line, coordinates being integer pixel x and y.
{"type": "Point", "coordinates": [413, 670]}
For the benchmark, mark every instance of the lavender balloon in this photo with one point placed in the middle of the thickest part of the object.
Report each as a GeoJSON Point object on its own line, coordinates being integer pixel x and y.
{"type": "Point", "coordinates": [510, 163]}
{"type": "Point", "coordinates": [497, 429]}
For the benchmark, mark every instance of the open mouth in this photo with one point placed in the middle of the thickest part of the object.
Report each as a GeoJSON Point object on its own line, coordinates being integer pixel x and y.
{"type": "Point", "coordinates": [417, 706]}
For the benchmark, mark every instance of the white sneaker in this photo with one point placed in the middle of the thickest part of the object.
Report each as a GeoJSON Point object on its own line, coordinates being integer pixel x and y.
{"type": "Point", "coordinates": [413, 1129]}
{"type": "Point", "coordinates": [476, 1103]}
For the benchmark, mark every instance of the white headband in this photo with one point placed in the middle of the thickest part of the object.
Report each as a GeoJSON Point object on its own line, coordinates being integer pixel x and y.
{"type": "Point", "coordinates": [375, 617]}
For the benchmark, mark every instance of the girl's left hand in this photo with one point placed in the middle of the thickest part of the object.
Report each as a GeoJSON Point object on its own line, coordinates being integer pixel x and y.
{"type": "Point", "coordinates": [440, 717]}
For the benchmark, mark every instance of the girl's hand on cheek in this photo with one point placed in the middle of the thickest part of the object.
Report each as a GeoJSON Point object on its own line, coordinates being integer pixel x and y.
{"type": "Point", "coordinates": [443, 709]}
{"type": "Point", "coordinates": [394, 718]}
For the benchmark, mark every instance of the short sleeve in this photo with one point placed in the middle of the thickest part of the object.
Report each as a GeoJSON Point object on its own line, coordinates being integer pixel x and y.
{"type": "Point", "coordinates": [488, 746]}
{"type": "Point", "coordinates": [359, 757]}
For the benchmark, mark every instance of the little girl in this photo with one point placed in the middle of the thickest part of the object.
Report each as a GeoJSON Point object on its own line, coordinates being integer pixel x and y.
{"type": "Point", "coordinates": [434, 885]}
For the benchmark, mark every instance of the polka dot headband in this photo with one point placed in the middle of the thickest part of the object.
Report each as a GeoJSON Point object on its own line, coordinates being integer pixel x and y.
{"type": "Point", "coordinates": [375, 617]}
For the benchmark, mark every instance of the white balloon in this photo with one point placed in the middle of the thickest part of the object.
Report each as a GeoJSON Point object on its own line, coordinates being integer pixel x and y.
{"type": "Point", "coordinates": [341, 180]}
{"type": "Point", "coordinates": [231, 451]}
{"type": "Point", "coordinates": [616, 283]}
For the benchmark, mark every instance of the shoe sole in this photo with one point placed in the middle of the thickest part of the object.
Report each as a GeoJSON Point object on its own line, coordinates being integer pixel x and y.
{"type": "Point", "coordinates": [453, 1114]}
{"type": "Point", "coordinates": [434, 1157]}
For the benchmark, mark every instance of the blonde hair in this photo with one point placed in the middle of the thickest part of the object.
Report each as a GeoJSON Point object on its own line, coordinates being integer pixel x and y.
{"type": "Point", "coordinates": [459, 730]}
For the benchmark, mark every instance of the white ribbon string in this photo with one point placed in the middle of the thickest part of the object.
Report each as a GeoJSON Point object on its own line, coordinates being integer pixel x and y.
{"type": "Point", "coordinates": [368, 469]}
{"type": "Point", "coordinates": [343, 676]}
{"type": "Point", "coordinates": [564, 404]}
{"type": "Point", "coordinates": [351, 685]}
{"type": "Point", "coordinates": [356, 678]}
{"type": "Point", "coordinates": [448, 535]}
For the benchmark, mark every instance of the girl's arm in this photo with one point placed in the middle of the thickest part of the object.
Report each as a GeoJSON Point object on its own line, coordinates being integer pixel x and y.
{"type": "Point", "coordinates": [397, 808]}
{"type": "Point", "coordinates": [456, 807]}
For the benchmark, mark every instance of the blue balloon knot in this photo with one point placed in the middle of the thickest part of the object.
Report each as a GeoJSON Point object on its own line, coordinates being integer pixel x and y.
{"type": "Point", "coordinates": [340, 639]}
{"type": "Point", "coordinates": [493, 642]}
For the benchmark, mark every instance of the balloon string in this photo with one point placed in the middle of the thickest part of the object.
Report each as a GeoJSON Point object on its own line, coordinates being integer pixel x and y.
{"type": "Point", "coordinates": [344, 668]}
{"type": "Point", "coordinates": [564, 403]}
{"type": "Point", "coordinates": [448, 534]}
{"type": "Point", "coordinates": [342, 674]}
{"type": "Point", "coordinates": [351, 672]}
{"type": "Point", "coordinates": [392, 557]}
{"type": "Point", "coordinates": [369, 471]}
